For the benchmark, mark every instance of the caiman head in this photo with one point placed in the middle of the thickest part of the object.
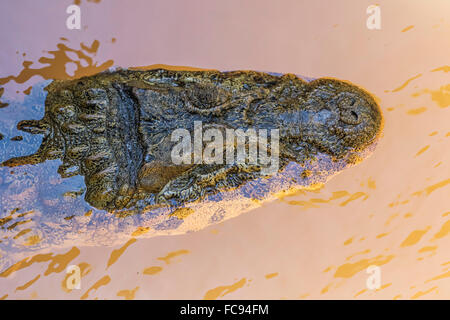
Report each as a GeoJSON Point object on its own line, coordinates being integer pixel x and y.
{"type": "Point", "coordinates": [329, 116]}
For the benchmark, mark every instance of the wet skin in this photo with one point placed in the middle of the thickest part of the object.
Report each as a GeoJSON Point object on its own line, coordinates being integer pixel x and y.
{"type": "Point", "coordinates": [114, 128]}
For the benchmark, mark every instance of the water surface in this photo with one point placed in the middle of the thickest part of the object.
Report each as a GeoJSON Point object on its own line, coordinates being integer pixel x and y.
{"type": "Point", "coordinates": [392, 210]}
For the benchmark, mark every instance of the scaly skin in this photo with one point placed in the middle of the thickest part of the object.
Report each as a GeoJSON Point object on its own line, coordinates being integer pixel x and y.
{"type": "Point", "coordinates": [114, 129]}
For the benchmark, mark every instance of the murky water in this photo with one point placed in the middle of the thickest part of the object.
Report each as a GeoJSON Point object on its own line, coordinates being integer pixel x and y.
{"type": "Point", "coordinates": [392, 210]}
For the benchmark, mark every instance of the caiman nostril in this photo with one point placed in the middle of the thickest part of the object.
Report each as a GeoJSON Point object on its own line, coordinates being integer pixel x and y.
{"type": "Point", "coordinates": [350, 117]}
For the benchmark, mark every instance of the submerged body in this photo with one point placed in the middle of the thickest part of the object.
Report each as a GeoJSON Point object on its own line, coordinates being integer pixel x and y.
{"type": "Point", "coordinates": [114, 130]}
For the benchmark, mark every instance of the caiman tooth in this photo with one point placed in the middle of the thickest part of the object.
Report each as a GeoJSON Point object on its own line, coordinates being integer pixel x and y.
{"type": "Point", "coordinates": [92, 117]}
{"type": "Point", "coordinates": [77, 151]}
{"type": "Point", "coordinates": [74, 128]}
{"type": "Point", "coordinates": [68, 170]}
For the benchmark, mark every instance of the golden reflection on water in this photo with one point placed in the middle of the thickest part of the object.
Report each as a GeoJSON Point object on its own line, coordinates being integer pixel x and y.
{"type": "Point", "coordinates": [406, 83]}
{"type": "Point", "coordinates": [407, 28]}
{"type": "Point", "coordinates": [224, 290]}
{"type": "Point", "coordinates": [271, 275]}
{"type": "Point", "coordinates": [440, 96]}
{"type": "Point", "coordinates": [152, 270]}
{"type": "Point", "coordinates": [168, 258]}
{"type": "Point", "coordinates": [58, 65]}
{"type": "Point", "coordinates": [85, 268]}
{"type": "Point", "coordinates": [102, 282]}
{"type": "Point", "coordinates": [55, 67]}
{"type": "Point", "coordinates": [115, 255]}
{"type": "Point", "coordinates": [128, 294]}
